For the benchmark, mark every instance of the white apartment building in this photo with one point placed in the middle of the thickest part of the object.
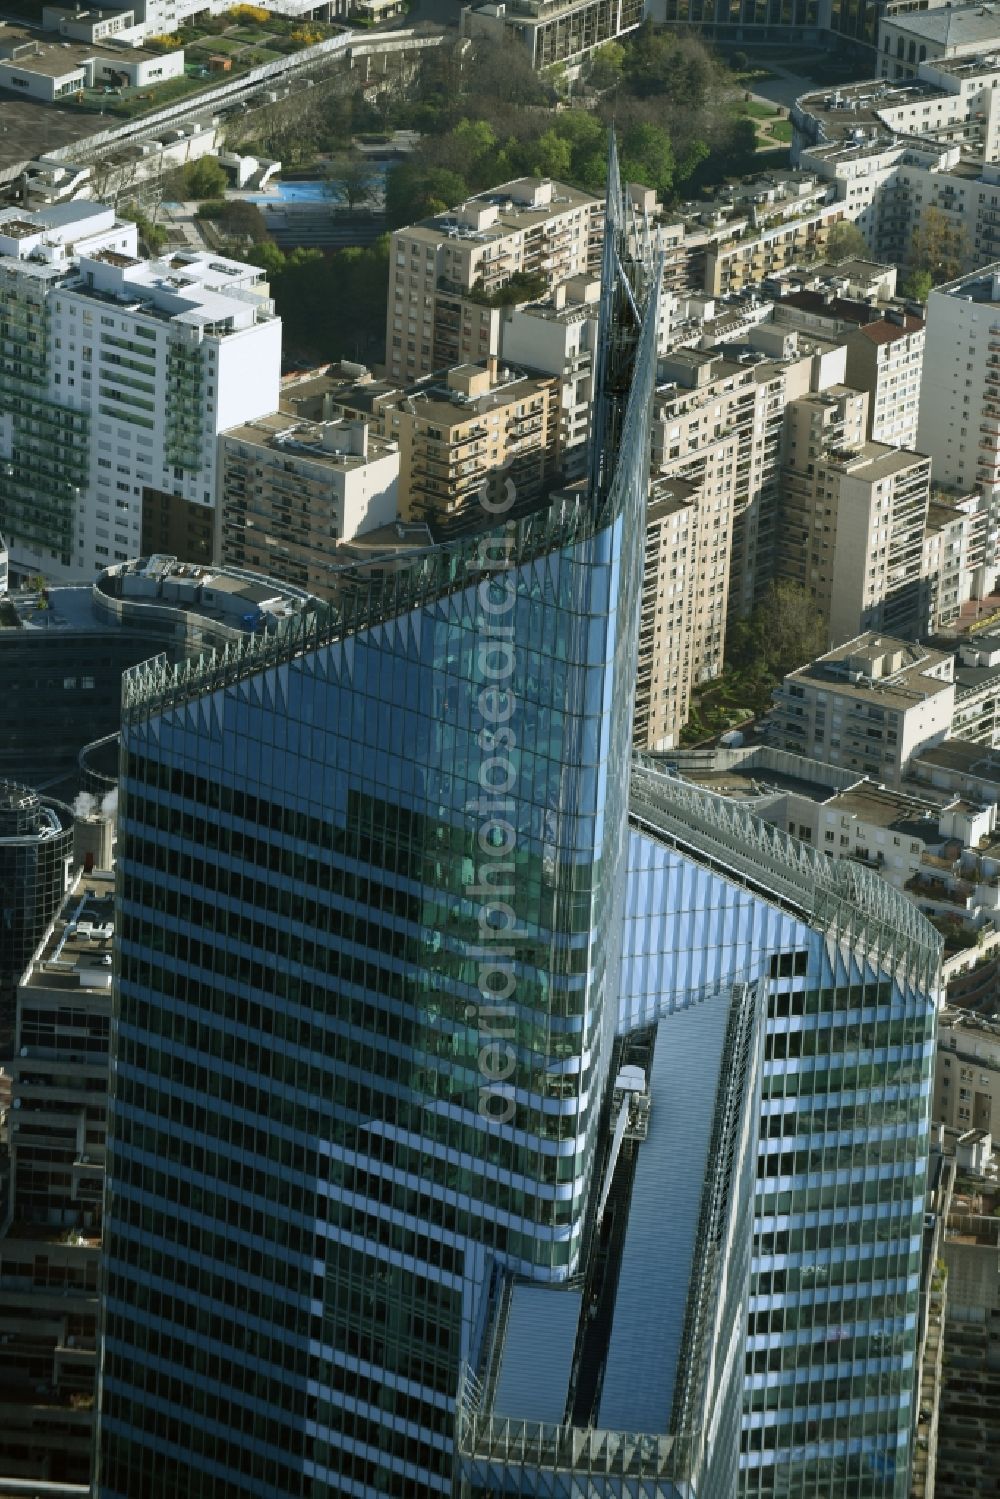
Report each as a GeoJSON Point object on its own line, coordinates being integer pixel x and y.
{"type": "Point", "coordinates": [161, 17]}
{"type": "Point", "coordinates": [895, 150]}
{"type": "Point", "coordinates": [959, 425]}
{"type": "Point", "coordinates": [445, 272]}
{"type": "Point", "coordinates": [885, 358]}
{"type": "Point", "coordinates": [117, 376]}
{"type": "Point", "coordinates": [953, 555]}
{"type": "Point", "coordinates": [869, 705]}
{"type": "Point", "coordinates": [559, 337]}
{"type": "Point", "coordinates": [959, 422]}
{"type": "Point", "coordinates": [908, 38]}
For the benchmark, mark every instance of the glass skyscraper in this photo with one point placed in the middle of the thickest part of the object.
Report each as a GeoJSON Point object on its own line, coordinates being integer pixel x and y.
{"type": "Point", "coordinates": [440, 1055]}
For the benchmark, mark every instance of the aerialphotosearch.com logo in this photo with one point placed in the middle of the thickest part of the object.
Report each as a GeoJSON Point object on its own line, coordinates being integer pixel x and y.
{"type": "Point", "coordinates": [493, 1016]}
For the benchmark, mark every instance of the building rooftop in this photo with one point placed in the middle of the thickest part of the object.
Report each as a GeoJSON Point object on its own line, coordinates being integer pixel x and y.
{"type": "Point", "coordinates": [77, 950]}
{"type": "Point", "coordinates": [872, 461]}
{"type": "Point", "coordinates": [160, 594]}
{"type": "Point", "coordinates": [982, 285]}
{"type": "Point", "coordinates": [892, 810]}
{"type": "Point", "coordinates": [954, 26]}
{"type": "Point", "coordinates": [514, 206]}
{"type": "Point", "coordinates": [877, 668]}
{"type": "Point", "coordinates": [964, 757]}
{"type": "Point", "coordinates": [334, 444]}
{"type": "Point", "coordinates": [51, 54]}
{"type": "Point", "coordinates": [442, 401]}
{"type": "Point", "coordinates": [885, 332]}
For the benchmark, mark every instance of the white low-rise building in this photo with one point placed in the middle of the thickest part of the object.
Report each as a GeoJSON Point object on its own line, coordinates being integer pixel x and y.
{"type": "Point", "coordinates": [35, 67]}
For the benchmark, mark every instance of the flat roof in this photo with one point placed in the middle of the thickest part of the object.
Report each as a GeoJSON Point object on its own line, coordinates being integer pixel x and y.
{"type": "Point", "coordinates": [954, 26]}
{"type": "Point", "coordinates": [982, 285]}
{"type": "Point", "coordinates": [889, 809]}
{"type": "Point", "coordinates": [884, 331]}
{"type": "Point", "coordinates": [512, 215]}
{"type": "Point", "coordinates": [77, 949]}
{"type": "Point", "coordinates": [964, 756]}
{"type": "Point", "coordinates": [893, 673]}
{"type": "Point", "coordinates": [296, 437]}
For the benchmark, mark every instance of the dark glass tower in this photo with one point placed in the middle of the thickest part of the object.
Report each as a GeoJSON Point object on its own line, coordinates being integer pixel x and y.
{"type": "Point", "coordinates": [438, 1063]}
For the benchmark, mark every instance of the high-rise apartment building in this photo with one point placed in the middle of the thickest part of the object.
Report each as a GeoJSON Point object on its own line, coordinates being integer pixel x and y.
{"type": "Point", "coordinates": [50, 1237]}
{"type": "Point", "coordinates": [471, 438]}
{"type": "Point", "coordinates": [558, 337]}
{"type": "Point", "coordinates": [470, 1033]}
{"type": "Point", "coordinates": [445, 272]}
{"type": "Point", "coordinates": [959, 423]}
{"type": "Point", "coordinates": [885, 358]}
{"type": "Point", "coordinates": [718, 423]}
{"type": "Point", "coordinates": [853, 517]}
{"type": "Point", "coordinates": [292, 491]}
{"type": "Point", "coordinates": [118, 375]}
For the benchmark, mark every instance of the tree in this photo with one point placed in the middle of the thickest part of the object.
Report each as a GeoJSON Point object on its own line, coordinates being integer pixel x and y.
{"type": "Point", "coordinates": [349, 180]}
{"type": "Point", "coordinates": [938, 247]}
{"type": "Point", "coordinates": [414, 192]}
{"type": "Point", "coordinates": [606, 66]}
{"type": "Point", "coordinates": [153, 236]}
{"type": "Point", "coordinates": [237, 219]}
{"type": "Point", "coordinates": [549, 156]}
{"type": "Point", "coordinates": [785, 631]}
{"type": "Point", "coordinates": [846, 240]}
{"type": "Point", "coordinates": [205, 178]}
{"type": "Point", "coordinates": [916, 285]}
{"type": "Point", "coordinates": [648, 158]}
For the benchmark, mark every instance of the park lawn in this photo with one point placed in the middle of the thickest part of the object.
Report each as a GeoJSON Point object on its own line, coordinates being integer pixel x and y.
{"type": "Point", "coordinates": [757, 111]}
{"type": "Point", "coordinates": [781, 130]}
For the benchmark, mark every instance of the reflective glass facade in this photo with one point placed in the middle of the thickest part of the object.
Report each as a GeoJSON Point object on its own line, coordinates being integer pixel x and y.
{"type": "Point", "coordinates": [394, 907]}
{"type": "Point", "coordinates": [850, 969]}
{"type": "Point", "coordinates": [371, 883]}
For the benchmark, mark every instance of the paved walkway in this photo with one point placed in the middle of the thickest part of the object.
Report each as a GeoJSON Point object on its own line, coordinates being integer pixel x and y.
{"type": "Point", "coordinates": [180, 223]}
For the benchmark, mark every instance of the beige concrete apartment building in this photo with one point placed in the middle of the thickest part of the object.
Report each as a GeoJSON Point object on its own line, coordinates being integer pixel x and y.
{"type": "Point", "coordinates": [291, 491]}
{"type": "Point", "coordinates": [444, 271]}
{"type": "Point", "coordinates": [853, 517]}
{"type": "Point", "coordinates": [885, 358]}
{"type": "Point", "coordinates": [869, 705]}
{"type": "Point", "coordinates": [468, 436]}
{"type": "Point", "coordinates": [967, 1072]}
{"type": "Point", "coordinates": [682, 626]}
{"type": "Point", "coordinates": [710, 394]}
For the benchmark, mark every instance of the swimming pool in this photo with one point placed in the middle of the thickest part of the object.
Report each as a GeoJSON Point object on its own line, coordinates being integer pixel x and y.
{"type": "Point", "coordinates": [314, 191]}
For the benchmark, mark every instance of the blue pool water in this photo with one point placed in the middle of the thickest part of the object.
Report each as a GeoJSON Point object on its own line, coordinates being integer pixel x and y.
{"type": "Point", "coordinates": [311, 192]}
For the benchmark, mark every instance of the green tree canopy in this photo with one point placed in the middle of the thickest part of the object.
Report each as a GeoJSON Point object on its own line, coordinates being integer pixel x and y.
{"type": "Point", "coordinates": [785, 631]}
{"type": "Point", "coordinates": [846, 240]}
{"type": "Point", "coordinates": [647, 157]}
{"type": "Point", "coordinates": [916, 284]}
{"type": "Point", "coordinates": [205, 178]}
